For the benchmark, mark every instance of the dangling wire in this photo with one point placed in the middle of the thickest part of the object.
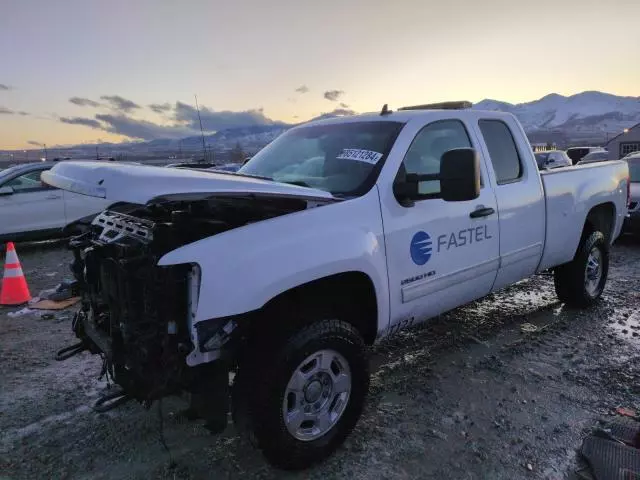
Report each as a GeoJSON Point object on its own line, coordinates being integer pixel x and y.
{"type": "Point", "coordinates": [105, 371]}
{"type": "Point", "coordinates": [172, 463]}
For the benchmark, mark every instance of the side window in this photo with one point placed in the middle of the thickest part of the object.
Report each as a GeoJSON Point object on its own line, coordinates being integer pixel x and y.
{"type": "Point", "coordinates": [502, 150]}
{"type": "Point", "coordinates": [424, 154]}
{"type": "Point", "coordinates": [29, 182]}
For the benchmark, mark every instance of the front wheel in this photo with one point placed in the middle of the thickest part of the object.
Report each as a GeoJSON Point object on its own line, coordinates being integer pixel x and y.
{"type": "Point", "coordinates": [309, 396]}
{"type": "Point", "coordinates": [581, 282]}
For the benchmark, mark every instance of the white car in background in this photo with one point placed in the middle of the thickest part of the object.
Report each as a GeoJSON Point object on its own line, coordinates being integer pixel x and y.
{"type": "Point", "coordinates": [552, 159]}
{"type": "Point", "coordinates": [593, 157]}
{"type": "Point", "coordinates": [32, 210]}
{"type": "Point", "coordinates": [578, 153]}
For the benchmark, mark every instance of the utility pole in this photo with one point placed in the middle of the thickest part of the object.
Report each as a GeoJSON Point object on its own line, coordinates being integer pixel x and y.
{"type": "Point", "coordinates": [97, 155]}
{"type": "Point", "coordinates": [45, 151]}
{"type": "Point", "coordinates": [204, 147]}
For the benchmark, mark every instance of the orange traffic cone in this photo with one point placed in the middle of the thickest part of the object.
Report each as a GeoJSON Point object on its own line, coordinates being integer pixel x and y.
{"type": "Point", "coordinates": [14, 290]}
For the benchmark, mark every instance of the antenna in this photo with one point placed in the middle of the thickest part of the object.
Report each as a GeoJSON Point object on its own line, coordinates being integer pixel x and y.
{"type": "Point", "coordinates": [385, 110]}
{"type": "Point", "coordinates": [204, 147]}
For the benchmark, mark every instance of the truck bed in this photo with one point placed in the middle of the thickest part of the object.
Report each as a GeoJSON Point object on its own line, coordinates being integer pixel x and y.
{"type": "Point", "coordinates": [570, 194]}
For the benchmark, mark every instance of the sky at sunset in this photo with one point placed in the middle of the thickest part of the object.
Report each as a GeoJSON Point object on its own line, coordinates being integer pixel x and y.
{"type": "Point", "coordinates": [74, 71]}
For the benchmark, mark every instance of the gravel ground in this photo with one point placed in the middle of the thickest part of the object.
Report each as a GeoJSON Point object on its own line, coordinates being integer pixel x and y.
{"type": "Point", "coordinates": [469, 395]}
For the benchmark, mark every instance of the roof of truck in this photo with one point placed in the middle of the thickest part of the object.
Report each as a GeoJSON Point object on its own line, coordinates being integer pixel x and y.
{"type": "Point", "coordinates": [405, 116]}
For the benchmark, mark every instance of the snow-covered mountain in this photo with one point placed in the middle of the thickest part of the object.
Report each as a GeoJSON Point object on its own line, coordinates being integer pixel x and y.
{"type": "Point", "coordinates": [586, 112]}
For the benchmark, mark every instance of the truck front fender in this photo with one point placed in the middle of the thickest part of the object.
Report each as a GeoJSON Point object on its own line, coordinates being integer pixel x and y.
{"type": "Point", "coordinates": [244, 268]}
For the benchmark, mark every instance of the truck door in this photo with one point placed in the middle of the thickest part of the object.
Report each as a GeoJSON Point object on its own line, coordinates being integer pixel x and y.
{"type": "Point", "coordinates": [440, 254]}
{"type": "Point", "coordinates": [518, 190]}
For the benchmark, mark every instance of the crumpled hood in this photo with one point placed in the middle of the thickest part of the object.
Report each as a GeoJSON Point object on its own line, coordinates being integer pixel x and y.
{"type": "Point", "coordinates": [142, 184]}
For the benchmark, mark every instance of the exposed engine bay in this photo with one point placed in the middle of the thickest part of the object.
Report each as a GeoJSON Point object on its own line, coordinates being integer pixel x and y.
{"type": "Point", "coordinates": [135, 313]}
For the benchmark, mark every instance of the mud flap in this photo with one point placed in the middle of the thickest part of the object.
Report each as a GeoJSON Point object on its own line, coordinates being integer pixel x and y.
{"type": "Point", "coordinates": [612, 452]}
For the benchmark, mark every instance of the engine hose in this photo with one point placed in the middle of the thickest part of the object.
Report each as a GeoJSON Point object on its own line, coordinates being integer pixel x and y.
{"type": "Point", "coordinates": [70, 351]}
{"type": "Point", "coordinates": [102, 405]}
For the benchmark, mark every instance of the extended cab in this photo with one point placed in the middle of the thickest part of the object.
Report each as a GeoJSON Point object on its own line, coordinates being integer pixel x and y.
{"type": "Point", "coordinates": [334, 236]}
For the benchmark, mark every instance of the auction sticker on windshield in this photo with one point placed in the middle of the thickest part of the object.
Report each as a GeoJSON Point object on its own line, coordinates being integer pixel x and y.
{"type": "Point", "coordinates": [368, 156]}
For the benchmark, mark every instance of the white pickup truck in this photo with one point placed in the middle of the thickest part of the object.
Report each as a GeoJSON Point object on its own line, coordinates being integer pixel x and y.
{"type": "Point", "coordinates": [337, 234]}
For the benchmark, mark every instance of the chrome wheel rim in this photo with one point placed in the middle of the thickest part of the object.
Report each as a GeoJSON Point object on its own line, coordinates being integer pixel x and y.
{"type": "Point", "coordinates": [593, 271]}
{"type": "Point", "coordinates": [316, 395]}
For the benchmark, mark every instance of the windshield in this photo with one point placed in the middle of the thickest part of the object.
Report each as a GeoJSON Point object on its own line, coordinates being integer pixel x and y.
{"type": "Point", "coordinates": [595, 156]}
{"type": "Point", "coordinates": [8, 172]}
{"type": "Point", "coordinates": [343, 159]}
{"type": "Point", "coordinates": [634, 170]}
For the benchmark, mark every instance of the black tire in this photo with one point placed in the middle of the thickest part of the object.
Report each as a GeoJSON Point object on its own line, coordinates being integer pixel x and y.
{"type": "Point", "coordinates": [263, 383]}
{"type": "Point", "coordinates": [570, 278]}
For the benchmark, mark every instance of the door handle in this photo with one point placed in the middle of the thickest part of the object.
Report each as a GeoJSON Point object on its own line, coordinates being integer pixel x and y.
{"type": "Point", "coordinates": [482, 212]}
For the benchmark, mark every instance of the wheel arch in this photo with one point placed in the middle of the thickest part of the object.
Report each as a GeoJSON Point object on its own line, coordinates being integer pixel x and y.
{"type": "Point", "coordinates": [351, 295]}
{"type": "Point", "coordinates": [601, 218]}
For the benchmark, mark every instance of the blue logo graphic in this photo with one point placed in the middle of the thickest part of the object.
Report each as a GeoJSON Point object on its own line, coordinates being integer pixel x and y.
{"type": "Point", "coordinates": [420, 248]}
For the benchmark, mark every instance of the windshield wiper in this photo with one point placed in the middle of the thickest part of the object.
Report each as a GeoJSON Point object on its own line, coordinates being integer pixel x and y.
{"type": "Point", "coordinates": [299, 183]}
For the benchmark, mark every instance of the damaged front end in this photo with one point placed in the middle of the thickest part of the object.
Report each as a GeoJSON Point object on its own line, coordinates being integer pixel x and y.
{"type": "Point", "coordinates": [138, 315]}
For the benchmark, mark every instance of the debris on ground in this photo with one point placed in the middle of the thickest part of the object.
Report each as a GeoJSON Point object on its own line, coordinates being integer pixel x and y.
{"type": "Point", "coordinates": [20, 313]}
{"type": "Point", "coordinates": [528, 328]}
{"type": "Point", "coordinates": [55, 305]}
{"type": "Point", "coordinates": [626, 412]}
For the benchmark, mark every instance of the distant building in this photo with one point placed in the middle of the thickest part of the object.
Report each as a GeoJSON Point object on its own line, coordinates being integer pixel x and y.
{"type": "Point", "coordinates": [625, 143]}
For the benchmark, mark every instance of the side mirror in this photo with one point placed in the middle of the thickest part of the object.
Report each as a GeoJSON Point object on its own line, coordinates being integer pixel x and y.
{"type": "Point", "coordinates": [460, 175]}
{"type": "Point", "coordinates": [406, 190]}
{"type": "Point", "coordinates": [6, 191]}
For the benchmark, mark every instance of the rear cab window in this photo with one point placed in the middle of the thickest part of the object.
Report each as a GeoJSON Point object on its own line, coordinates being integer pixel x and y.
{"type": "Point", "coordinates": [503, 151]}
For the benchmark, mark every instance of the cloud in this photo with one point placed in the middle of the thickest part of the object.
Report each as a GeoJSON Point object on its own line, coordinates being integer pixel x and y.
{"type": "Point", "coordinates": [119, 103]}
{"type": "Point", "coordinates": [337, 112]}
{"type": "Point", "coordinates": [5, 87]}
{"type": "Point", "coordinates": [83, 102]}
{"type": "Point", "coordinates": [22, 113]}
{"type": "Point", "coordinates": [33, 142]}
{"type": "Point", "coordinates": [184, 120]}
{"type": "Point", "coordinates": [212, 121]}
{"type": "Point", "coordinates": [342, 111]}
{"type": "Point", "coordinates": [344, 105]}
{"type": "Point", "coordinates": [6, 111]}
{"type": "Point", "coordinates": [160, 107]}
{"type": "Point", "coordinates": [87, 122]}
{"type": "Point", "coordinates": [143, 129]}
{"type": "Point", "coordinates": [333, 95]}
{"type": "Point", "coordinates": [302, 89]}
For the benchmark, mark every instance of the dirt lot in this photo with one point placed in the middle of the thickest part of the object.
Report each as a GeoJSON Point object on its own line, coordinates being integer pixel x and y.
{"type": "Point", "coordinates": [470, 395]}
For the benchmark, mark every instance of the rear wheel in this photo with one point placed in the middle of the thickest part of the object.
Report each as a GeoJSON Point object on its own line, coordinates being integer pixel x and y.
{"type": "Point", "coordinates": [581, 282]}
{"type": "Point", "coordinates": [307, 396]}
